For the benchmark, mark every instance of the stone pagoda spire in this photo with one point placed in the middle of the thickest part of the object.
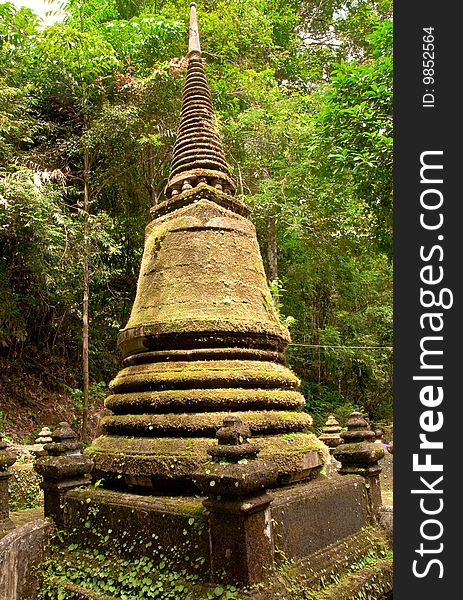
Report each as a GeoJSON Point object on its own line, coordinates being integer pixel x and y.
{"type": "Point", "coordinates": [203, 339]}
{"type": "Point", "coordinates": [198, 154]}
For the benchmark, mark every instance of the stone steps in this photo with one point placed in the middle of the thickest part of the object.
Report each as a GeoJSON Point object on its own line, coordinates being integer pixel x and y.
{"type": "Point", "coordinates": [343, 558]}
{"type": "Point", "coordinates": [372, 582]}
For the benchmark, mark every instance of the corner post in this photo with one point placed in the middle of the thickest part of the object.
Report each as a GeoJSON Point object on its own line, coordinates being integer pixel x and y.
{"type": "Point", "coordinates": [359, 455]}
{"type": "Point", "coordinates": [63, 469]}
{"type": "Point", "coordinates": [240, 526]}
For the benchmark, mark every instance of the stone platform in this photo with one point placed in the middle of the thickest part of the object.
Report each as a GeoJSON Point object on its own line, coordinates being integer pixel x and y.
{"type": "Point", "coordinates": [322, 532]}
{"type": "Point", "coordinates": [306, 517]}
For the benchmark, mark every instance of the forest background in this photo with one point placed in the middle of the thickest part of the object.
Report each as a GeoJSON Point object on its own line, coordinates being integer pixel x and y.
{"type": "Point", "coordinates": [88, 112]}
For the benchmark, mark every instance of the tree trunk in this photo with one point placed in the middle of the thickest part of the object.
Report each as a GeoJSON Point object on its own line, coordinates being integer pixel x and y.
{"type": "Point", "coordinates": [152, 191]}
{"type": "Point", "coordinates": [86, 286]}
{"type": "Point", "coordinates": [272, 249]}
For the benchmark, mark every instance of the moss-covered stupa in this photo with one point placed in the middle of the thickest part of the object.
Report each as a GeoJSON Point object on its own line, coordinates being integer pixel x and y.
{"type": "Point", "coordinates": [203, 338]}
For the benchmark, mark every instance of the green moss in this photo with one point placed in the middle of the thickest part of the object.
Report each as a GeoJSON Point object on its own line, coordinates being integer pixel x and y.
{"type": "Point", "coordinates": [205, 424]}
{"type": "Point", "coordinates": [205, 275]}
{"type": "Point", "coordinates": [24, 487]}
{"type": "Point", "coordinates": [170, 458]}
{"type": "Point", "coordinates": [193, 509]}
{"type": "Point", "coordinates": [198, 374]}
{"type": "Point", "coordinates": [196, 399]}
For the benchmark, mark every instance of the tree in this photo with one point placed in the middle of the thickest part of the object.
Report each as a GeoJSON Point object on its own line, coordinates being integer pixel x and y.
{"type": "Point", "coordinates": [302, 91]}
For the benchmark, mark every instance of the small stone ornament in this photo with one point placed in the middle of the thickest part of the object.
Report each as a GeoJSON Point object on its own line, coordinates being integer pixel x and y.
{"type": "Point", "coordinates": [359, 455]}
{"type": "Point", "coordinates": [63, 469]}
{"type": "Point", "coordinates": [44, 436]}
{"type": "Point", "coordinates": [330, 434]}
{"type": "Point", "coordinates": [64, 441]}
{"type": "Point", "coordinates": [235, 471]}
{"type": "Point", "coordinates": [237, 505]}
{"type": "Point", "coordinates": [233, 442]}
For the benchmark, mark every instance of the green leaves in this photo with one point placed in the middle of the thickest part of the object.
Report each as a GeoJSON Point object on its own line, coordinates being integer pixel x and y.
{"type": "Point", "coordinates": [142, 41]}
{"type": "Point", "coordinates": [77, 59]}
{"type": "Point", "coordinates": [303, 95]}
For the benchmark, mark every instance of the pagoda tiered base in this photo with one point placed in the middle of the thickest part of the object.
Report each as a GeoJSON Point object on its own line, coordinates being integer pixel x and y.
{"type": "Point", "coordinates": [165, 464]}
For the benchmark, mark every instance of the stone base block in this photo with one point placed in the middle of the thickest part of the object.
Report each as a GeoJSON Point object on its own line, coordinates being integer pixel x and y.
{"type": "Point", "coordinates": [306, 517]}
{"type": "Point", "coordinates": [310, 516]}
{"type": "Point", "coordinates": [20, 552]}
{"type": "Point", "coordinates": [135, 525]}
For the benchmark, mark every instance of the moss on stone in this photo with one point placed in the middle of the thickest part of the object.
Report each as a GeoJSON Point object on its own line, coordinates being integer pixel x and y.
{"type": "Point", "coordinates": [205, 424]}
{"type": "Point", "coordinates": [172, 458]}
{"type": "Point", "coordinates": [24, 487]}
{"type": "Point", "coordinates": [189, 280]}
{"type": "Point", "coordinates": [194, 400]}
{"type": "Point", "coordinates": [197, 374]}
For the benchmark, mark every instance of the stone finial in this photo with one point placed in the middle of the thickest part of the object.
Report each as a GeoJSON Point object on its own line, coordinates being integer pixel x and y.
{"type": "Point", "coordinates": [238, 506]}
{"type": "Point", "coordinates": [233, 442]}
{"type": "Point", "coordinates": [44, 436]}
{"type": "Point", "coordinates": [64, 441]}
{"type": "Point", "coordinates": [233, 431]}
{"type": "Point", "coordinates": [7, 458]}
{"type": "Point", "coordinates": [193, 32]}
{"type": "Point", "coordinates": [330, 434]}
{"type": "Point", "coordinates": [198, 155]}
{"type": "Point", "coordinates": [63, 469]}
{"type": "Point", "coordinates": [359, 455]}
{"type": "Point", "coordinates": [358, 429]}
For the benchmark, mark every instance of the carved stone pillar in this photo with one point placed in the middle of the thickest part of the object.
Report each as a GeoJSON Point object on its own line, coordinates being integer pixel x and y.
{"type": "Point", "coordinates": [359, 455]}
{"type": "Point", "coordinates": [238, 506]}
{"type": "Point", "coordinates": [63, 469]}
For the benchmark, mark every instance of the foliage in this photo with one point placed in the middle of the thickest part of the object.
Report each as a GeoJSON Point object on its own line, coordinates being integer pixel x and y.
{"type": "Point", "coordinates": [72, 567]}
{"type": "Point", "coordinates": [303, 95]}
{"type": "Point", "coordinates": [24, 488]}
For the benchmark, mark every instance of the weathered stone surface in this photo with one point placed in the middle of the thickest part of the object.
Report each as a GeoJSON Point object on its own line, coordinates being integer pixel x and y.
{"type": "Point", "coordinates": [204, 374]}
{"type": "Point", "coordinates": [359, 455]}
{"type": "Point", "coordinates": [386, 521]}
{"type": "Point", "coordinates": [387, 472]}
{"type": "Point", "coordinates": [161, 462]}
{"type": "Point", "coordinates": [199, 400]}
{"type": "Point", "coordinates": [63, 469]}
{"type": "Point", "coordinates": [204, 424]}
{"type": "Point", "coordinates": [201, 273]}
{"type": "Point", "coordinates": [7, 459]}
{"type": "Point", "coordinates": [334, 561]}
{"type": "Point", "coordinates": [208, 192]}
{"type": "Point", "coordinates": [131, 524]}
{"type": "Point", "coordinates": [241, 540]}
{"type": "Point", "coordinates": [21, 551]}
{"type": "Point", "coordinates": [204, 337]}
{"type": "Point", "coordinates": [310, 516]}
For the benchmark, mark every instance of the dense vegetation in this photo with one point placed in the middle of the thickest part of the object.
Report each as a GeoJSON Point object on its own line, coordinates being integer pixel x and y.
{"type": "Point", "coordinates": [88, 112]}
